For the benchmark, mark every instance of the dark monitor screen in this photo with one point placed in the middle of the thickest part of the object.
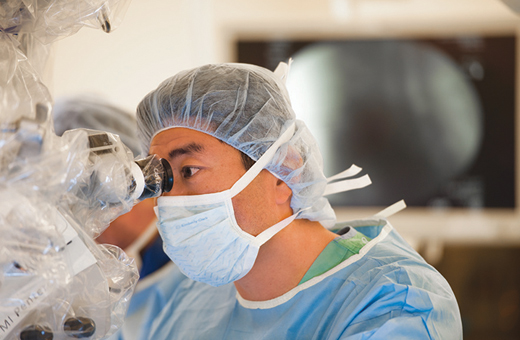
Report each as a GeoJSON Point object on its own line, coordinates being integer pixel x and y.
{"type": "Point", "coordinates": [432, 121]}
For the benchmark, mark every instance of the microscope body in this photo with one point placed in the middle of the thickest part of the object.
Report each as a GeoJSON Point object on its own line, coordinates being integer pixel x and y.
{"type": "Point", "coordinates": [57, 194]}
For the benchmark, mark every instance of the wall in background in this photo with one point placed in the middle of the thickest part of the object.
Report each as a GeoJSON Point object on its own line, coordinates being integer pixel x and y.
{"type": "Point", "coordinates": [158, 38]}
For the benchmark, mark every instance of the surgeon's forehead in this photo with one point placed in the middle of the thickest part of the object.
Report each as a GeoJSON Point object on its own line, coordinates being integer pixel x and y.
{"type": "Point", "coordinates": [182, 141]}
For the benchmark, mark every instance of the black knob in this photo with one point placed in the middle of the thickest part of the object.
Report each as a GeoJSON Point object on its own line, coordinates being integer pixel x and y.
{"type": "Point", "coordinates": [36, 332]}
{"type": "Point", "coordinates": [80, 327]}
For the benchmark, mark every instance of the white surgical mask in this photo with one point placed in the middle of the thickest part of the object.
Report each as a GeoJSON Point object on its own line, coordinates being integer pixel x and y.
{"type": "Point", "coordinates": [201, 234]}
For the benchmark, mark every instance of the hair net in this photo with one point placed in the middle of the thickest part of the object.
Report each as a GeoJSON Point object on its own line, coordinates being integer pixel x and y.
{"type": "Point", "coordinates": [247, 107]}
{"type": "Point", "coordinates": [96, 114]}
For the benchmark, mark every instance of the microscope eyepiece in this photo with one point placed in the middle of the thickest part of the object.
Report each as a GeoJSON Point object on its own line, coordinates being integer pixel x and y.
{"type": "Point", "coordinates": [157, 177]}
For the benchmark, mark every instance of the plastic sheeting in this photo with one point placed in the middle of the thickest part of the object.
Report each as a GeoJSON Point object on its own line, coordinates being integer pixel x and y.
{"type": "Point", "coordinates": [58, 193]}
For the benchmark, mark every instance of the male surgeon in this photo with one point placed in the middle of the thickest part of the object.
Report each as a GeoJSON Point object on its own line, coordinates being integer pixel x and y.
{"type": "Point", "coordinates": [249, 228]}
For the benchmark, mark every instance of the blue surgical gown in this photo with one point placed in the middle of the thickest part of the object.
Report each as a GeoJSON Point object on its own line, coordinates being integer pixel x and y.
{"type": "Point", "coordinates": [386, 291]}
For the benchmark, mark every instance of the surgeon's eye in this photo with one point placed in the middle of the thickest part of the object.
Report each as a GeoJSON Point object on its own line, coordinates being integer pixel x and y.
{"type": "Point", "coordinates": [189, 171]}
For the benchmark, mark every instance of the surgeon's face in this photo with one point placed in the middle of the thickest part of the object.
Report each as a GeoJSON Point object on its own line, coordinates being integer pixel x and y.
{"type": "Point", "coordinates": [202, 164]}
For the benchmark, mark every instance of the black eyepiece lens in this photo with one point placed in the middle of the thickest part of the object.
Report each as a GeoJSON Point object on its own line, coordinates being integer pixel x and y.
{"type": "Point", "coordinates": [168, 176]}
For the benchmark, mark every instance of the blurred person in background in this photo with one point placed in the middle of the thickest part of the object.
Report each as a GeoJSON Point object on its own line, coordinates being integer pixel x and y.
{"type": "Point", "coordinates": [135, 232]}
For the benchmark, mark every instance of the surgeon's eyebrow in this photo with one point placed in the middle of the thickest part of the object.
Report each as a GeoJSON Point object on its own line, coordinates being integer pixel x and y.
{"type": "Point", "coordinates": [184, 150]}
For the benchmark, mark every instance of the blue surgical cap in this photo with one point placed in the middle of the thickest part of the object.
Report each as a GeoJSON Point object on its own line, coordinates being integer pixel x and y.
{"type": "Point", "coordinates": [247, 107]}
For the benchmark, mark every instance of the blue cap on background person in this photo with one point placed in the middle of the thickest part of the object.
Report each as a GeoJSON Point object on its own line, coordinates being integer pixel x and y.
{"type": "Point", "coordinates": [94, 113]}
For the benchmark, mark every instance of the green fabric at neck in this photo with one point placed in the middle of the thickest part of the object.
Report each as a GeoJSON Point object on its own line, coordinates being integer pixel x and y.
{"type": "Point", "coordinates": [337, 251]}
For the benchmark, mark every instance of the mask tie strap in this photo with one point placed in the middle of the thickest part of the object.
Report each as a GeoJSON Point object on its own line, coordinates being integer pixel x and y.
{"type": "Point", "coordinates": [266, 235]}
{"type": "Point", "coordinates": [262, 161]}
{"type": "Point", "coordinates": [343, 184]}
{"type": "Point", "coordinates": [391, 210]}
{"type": "Point", "coordinates": [282, 70]}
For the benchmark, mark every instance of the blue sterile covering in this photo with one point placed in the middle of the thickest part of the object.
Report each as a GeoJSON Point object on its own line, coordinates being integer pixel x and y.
{"type": "Point", "coordinates": [386, 291]}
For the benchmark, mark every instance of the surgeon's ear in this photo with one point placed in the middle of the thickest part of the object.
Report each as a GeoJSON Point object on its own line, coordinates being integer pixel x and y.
{"type": "Point", "coordinates": [283, 193]}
